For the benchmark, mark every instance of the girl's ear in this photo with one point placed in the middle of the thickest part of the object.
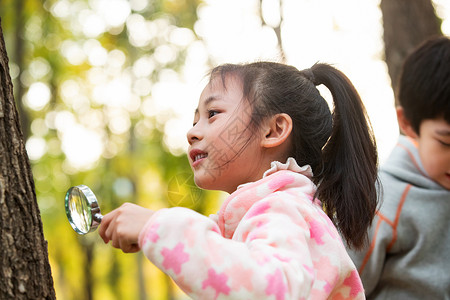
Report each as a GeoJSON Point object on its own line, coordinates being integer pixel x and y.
{"type": "Point", "coordinates": [277, 131]}
{"type": "Point", "coordinates": [405, 124]}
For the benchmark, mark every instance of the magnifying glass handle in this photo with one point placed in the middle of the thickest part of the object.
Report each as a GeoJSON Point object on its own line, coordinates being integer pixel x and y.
{"type": "Point", "coordinates": [97, 217]}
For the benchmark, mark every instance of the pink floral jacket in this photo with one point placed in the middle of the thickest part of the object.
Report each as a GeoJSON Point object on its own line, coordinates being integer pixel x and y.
{"type": "Point", "coordinates": [268, 241]}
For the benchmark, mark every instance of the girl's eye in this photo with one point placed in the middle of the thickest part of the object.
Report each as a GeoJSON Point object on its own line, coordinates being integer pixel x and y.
{"type": "Point", "coordinates": [444, 144]}
{"type": "Point", "coordinates": [212, 113]}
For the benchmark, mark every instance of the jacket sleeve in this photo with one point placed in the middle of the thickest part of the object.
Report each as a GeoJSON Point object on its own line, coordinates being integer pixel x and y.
{"type": "Point", "coordinates": [370, 260]}
{"type": "Point", "coordinates": [266, 257]}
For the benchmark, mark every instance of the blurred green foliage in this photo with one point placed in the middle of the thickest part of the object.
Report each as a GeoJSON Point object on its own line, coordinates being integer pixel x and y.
{"type": "Point", "coordinates": [54, 43]}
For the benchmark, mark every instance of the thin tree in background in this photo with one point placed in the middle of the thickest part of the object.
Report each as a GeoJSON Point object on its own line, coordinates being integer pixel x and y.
{"type": "Point", "coordinates": [24, 269]}
{"type": "Point", "coordinates": [406, 24]}
{"type": "Point", "coordinates": [276, 28]}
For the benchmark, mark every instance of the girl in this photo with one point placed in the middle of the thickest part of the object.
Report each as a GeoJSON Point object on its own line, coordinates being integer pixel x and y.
{"type": "Point", "coordinates": [270, 239]}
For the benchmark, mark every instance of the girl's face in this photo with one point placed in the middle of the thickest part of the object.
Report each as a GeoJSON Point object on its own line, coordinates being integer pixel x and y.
{"type": "Point", "coordinates": [224, 152]}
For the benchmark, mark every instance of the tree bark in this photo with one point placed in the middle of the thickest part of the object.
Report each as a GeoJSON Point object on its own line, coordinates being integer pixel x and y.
{"type": "Point", "coordinates": [24, 267]}
{"type": "Point", "coordinates": [406, 24]}
{"type": "Point", "coordinates": [19, 52]}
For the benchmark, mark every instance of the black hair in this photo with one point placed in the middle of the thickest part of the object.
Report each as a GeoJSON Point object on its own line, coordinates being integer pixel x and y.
{"type": "Point", "coordinates": [424, 85]}
{"type": "Point", "coordinates": [340, 146]}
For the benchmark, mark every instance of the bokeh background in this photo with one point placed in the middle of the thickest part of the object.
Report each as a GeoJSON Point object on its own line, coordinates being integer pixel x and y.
{"type": "Point", "coordinates": [106, 91]}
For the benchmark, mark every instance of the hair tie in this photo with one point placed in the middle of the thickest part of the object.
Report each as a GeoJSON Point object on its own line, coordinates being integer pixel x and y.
{"type": "Point", "coordinates": [308, 74]}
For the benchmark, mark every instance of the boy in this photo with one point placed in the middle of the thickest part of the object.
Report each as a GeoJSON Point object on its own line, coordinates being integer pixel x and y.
{"type": "Point", "coordinates": [408, 256]}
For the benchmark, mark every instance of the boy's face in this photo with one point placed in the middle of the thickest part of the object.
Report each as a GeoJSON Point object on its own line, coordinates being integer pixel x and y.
{"type": "Point", "coordinates": [434, 149]}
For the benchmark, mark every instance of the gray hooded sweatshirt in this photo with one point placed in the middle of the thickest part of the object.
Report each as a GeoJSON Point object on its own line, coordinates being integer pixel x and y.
{"type": "Point", "coordinates": [408, 256]}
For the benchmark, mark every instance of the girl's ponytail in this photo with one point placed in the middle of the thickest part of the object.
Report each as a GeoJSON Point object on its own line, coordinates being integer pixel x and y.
{"type": "Point", "coordinates": [347, 181]}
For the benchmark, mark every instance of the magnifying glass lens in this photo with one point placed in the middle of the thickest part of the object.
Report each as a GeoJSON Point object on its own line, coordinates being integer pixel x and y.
{"type": "Point", "coordinates": [78, 210]}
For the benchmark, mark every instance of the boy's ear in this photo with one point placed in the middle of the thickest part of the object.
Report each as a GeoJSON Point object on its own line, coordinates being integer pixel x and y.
{"type": "Point", "coordinates": [405, 124]}
{"type": "Point", "coordinates": [278, 129]}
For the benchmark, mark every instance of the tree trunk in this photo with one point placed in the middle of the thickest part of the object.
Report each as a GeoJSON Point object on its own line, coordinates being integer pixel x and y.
{"type": "Point", "coordinates": [24, 267]}
{"type": "Point", "coordinates": [19, 52]}
{"type": "Point", "coordinates": [406, 24]}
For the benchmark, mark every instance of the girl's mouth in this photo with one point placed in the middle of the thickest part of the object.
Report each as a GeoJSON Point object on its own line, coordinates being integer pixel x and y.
{"type": "Point", "coordinates": [197, 156]}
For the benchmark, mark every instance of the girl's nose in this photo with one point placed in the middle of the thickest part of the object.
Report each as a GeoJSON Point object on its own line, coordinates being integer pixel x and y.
{"type": "Point", "coordinates": [194, 134]}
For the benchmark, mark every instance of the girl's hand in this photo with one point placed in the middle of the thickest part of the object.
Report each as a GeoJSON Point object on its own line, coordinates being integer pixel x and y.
{"type": "Point", "coordinates": [123, 225]}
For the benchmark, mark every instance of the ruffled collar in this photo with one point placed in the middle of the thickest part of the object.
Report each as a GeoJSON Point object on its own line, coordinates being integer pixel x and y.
{"type": "Point", "coordinates": [291, 165]}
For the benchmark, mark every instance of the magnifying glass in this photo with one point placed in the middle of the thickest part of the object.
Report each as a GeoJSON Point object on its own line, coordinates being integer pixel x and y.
{"type": "Point", "coordinates": [82, 209]}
